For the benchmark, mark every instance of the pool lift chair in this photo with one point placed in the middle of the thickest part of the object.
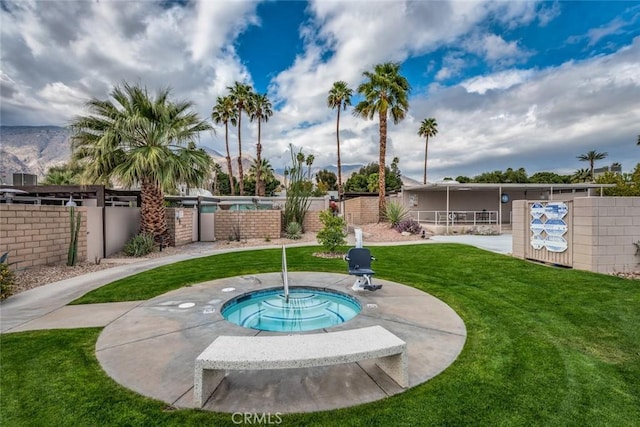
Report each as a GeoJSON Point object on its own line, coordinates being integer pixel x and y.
{"type": "Point", "coordinates": [359, 260]}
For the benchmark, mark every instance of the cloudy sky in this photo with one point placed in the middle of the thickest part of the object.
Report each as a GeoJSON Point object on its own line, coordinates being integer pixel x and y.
{"type": "Point", "coordinates": [511, 84]}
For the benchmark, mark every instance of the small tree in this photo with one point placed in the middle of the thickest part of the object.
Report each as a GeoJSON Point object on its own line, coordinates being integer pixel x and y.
{"type": "Point", "coordinates": [332, 234]}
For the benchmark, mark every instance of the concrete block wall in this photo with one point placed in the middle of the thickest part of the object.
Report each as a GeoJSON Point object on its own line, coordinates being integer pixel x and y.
{"type": "Point", "coordinates": [361, 210]}
{"type": "Point", "coordinates": [39, 235]}
{"type": "Point", "coordinates": [180, 229]}
{"type": "Point", "coordinates": [312, 222]}
{"type": "Point", "coordinates": [604, 231]}
{"type": "Point", "coordinates": [257, 224]}
{"type": "Point", "coordinates": [520, 227]}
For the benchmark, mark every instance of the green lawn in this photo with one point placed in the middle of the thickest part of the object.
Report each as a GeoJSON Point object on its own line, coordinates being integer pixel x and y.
{"type": "Point", "coordinates": [545, 346]}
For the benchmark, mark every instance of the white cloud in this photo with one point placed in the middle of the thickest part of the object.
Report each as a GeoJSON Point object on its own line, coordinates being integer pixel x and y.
{"type": "Point", "coordinates": [495, 49]}
{"type": "Point", "coordinates": [499, 80]}
{"type": "Point", "coordinates": [57, 53]}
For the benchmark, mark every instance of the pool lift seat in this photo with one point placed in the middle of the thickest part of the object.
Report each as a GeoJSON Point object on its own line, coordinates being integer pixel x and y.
{"type": "Point", "coordinates": [359, 260]}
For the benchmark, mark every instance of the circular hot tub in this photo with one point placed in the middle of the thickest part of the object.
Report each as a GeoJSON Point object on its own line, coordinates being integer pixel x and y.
{"type": "Point", "coordinates": [307, 309]}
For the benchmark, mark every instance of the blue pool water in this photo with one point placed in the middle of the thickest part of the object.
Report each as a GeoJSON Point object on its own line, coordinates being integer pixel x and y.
{"type": "Point", "coordinates": [308, 309]}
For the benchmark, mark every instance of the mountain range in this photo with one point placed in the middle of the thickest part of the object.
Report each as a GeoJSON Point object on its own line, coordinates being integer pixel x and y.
{"type": "Point", "coordinates": [35, 149]}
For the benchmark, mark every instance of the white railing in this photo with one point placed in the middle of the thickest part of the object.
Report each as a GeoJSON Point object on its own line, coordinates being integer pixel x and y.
{"type": "Point", "coordinates": [455, 217]}
{"type": "Point", "coordinates": [285, 275]}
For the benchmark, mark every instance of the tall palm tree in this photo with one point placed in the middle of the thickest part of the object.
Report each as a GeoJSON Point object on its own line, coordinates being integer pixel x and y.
{"type": "Point", "coordinates": [428, 128]}
{"type": "Point", "coordinates": [591, 157]}
{"type": "Point", "coordinates": [216, 171]}
{"type": "Point", "coordinates": [260, 111]}
{"type": "Point", "coordinates": [309, 162]}
{"type": "Point", "coordinates": [385, 92]}
{"type": "Point", "coordinates": [224, 112]}
{"type": "Point", "coordinates": [141, 140]}
{"type": "Point", "coordinates": [339, 98]}
{"type": "Point", "coordinates": [638, 140]}
{"type": "Point", "coordinates": [241, 95]}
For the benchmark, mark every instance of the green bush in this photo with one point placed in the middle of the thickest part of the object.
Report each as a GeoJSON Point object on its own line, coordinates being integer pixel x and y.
{"type": "Point", "coordinates": [139, 245]}
{"type": "Point", "coordinates": [394, 213]}
{"type": "Point", "coordinates": [7, 281]}
{"type": "Point", "coordinates": [333, 234]}
{"type": "Point", "coordinates": [293, 231]}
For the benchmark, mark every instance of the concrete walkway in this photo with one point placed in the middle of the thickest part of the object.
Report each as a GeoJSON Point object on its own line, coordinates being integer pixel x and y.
{"type": "Point", "coordinates": [150, 346]}
{"type": "Point", "coordinates": [502, 244]}
{"type": "Point", "coordinates": [35, 303]}
{"type": "Point", "coordinates": [151, 349]}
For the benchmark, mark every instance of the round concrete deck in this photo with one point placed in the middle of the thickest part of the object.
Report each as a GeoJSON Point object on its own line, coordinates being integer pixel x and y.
{"type": "Point", "coordinates": [152, 348]}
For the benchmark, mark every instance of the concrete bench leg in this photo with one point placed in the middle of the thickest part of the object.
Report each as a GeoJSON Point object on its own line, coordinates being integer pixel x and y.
{"type": "Point", "coordinates": [397, 367]}
{"type": "Point", "coordinates": [205, 383]}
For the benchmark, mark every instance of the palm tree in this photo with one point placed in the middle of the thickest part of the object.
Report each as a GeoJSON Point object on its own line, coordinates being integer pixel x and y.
{"type": "Point", "coordinates": [385, 91]}
{"type": "Point", "coordinates": [65, 174]}
{"type": "Point", "coordinates": [309, 162]}
{"type": "Point", "coordinates": [216, 171]}
{"type": "Point", "coordinates": [241, 95]}
{"type": "Point", "coordinates": [260, 111]}
{"type": "Point", "coordinates": [580, 175]}
{"type": "Point", "coordinates": [339, 97]}
{"type": "Point", "coordinates": [141, 140]}
{"type": "Point", "coordinates": [428, 127]}
{"type": "Point", "coordinates": [264, 169]}
{"type": "Point", "coordinates": [591, 157]}
{"type": "Point", "coordinates": [224, 112]}
{"type": "Point", "coordinates": [638, 140]}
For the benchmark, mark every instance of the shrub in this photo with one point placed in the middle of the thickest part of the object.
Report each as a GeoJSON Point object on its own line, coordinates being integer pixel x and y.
{"type": "Point", "coordinates": [410, 225]}
{"type": "Point", "coordinates": [293, 231]}
{"type": "Point", "coordinates": [395, 213]}
{"type": "Point", "coordinates": [7, 281]}
{"type": "Point", "coordinates": [139, 245]}
{"type": "Point", "coordinates": [332, 235]}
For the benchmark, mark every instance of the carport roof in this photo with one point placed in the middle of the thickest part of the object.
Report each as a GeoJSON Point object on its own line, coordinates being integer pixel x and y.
{"type": "Point", "coordinates": [436, 186]}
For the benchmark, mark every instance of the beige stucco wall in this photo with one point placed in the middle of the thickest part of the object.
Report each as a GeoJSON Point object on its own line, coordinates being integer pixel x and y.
{"type": "Point", "coordinates": [39, 234]}
{"type": "Point", "coordinates": [603, 233]}
{"type": "Point", "coordinates": [207, 224]}
{"type": "Point", "coordinates": [121, 224]}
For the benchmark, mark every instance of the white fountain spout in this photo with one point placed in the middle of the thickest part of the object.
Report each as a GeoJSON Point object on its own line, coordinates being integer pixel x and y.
{"type": "Point", "coordinates": [285, 275]}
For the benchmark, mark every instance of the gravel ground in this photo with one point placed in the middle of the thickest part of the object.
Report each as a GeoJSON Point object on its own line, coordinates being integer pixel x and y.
{"type": "Point", "coordinates": [34, 277]}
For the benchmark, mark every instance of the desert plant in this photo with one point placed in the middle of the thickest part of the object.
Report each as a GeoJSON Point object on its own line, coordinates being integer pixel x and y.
{"type": "Point", "coordinates": [293, 231]}
{"type": "Point", "coordinates": [297, 203]}
{"type": "Point", "coordinates": [139, 245]}
{"type": "Point", "coordinates": [332, 234]}
{"type": "Point", "coordinates": [7, 279]}
{"type": "Point", "coordinates": [74, 225]}
{"type": "Point", "coordinates": [235, 235]}
{"type": "Point", "coordinates": [394, 213]}
{"type": "Point", "coordinates": [409, 225]}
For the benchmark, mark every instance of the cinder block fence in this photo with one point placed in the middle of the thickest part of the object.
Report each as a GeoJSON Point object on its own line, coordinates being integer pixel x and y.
{"type": "Point", "coordinates": [600, 237]}
{"type": "Point", "coordinates": [39, 235]}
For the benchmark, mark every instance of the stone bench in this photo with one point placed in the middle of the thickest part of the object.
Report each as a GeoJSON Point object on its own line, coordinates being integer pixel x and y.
{"type": "Point", "coordinates": [299, 351]}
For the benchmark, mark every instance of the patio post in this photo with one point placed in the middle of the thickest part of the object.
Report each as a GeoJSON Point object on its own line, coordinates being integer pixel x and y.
{"type": "Point", "coordinates": [499, 218]}
{"type": "Point", "coordinates": [447, 228]}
